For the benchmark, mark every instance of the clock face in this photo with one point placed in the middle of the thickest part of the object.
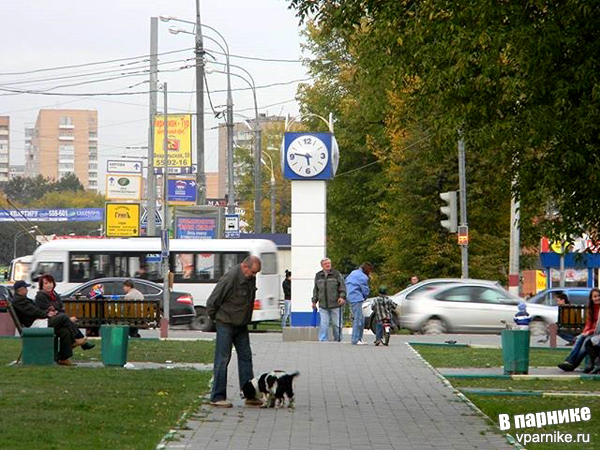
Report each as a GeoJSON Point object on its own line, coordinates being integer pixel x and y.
{"type": "Point", "coordinates": [307, 156]}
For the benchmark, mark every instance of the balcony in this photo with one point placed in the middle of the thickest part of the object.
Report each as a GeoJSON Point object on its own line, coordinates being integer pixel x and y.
{"type": "Point", "coordinates": [93, 175]}
{"type": "Point", "coordinates": [66, 127]}
{"type": "Point", "coordinates": [66, 138]}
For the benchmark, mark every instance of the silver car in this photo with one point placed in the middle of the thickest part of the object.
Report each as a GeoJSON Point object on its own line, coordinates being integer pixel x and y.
{"type": "Point", "coordinates": [417, 289]}
{"type": "Point", "coordinates": [473, 307]}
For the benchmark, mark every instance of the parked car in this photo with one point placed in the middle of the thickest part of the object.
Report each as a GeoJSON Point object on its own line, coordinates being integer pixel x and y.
{"type": "Point", "coordinates": [414, 290]}
{"type": "Point", "coordinates": [577, 296]}
{"type": "Point", "coordinates": [473, 307]}
{"type": "Point", "coordinates": [181, 306]}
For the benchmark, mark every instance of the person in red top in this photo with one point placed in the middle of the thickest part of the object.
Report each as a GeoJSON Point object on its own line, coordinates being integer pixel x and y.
{"type": "Point", "coordinates": [579, 352]}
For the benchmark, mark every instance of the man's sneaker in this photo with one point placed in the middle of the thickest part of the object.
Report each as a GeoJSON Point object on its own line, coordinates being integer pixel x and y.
{"type": "Point", "coordinates": [361, 343]}
{"type": "Point", "coordinates": [222, 404]}
{"type": "Point", "coordinates": [377, 342]}
{"type": "Point", "coordinates": [566, 366]}
{"type": "Point", "coordinates": [254, 402]}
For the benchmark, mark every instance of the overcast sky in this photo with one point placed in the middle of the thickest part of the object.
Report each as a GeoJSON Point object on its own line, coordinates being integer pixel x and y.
{"type": "Point", "coordinates": [40, 34]}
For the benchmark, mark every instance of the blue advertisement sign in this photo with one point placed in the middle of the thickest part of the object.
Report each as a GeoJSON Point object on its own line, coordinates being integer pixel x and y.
{"type": "Point", "coordinates": [53, 215]}
{"type": "Point", "coordinates": [196, 228]}
{"type": "Point", "coordinates": [181, 191]}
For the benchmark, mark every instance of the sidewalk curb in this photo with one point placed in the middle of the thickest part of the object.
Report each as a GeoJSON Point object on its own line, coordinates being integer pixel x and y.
{"type": "Point", "coordinates": [510, 439]}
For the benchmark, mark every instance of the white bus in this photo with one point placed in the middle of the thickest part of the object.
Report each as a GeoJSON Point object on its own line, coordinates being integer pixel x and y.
{"type": "Point", "coordinates": [196, 265]}
{"type": "Point", "coordinates": [20, 268]}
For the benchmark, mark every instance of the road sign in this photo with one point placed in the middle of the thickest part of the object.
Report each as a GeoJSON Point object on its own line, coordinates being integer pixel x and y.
{"type": "Point", "coordinates": [178, 170]}
{"type": "Point", "coordinates": [157, 218]}
{"type": "Point", "coordinates": [122, 219]}
{"type": "Point", "coordinates": [182, 191]}
{"type": "Point", "coordinates": [124, 166]}
{"type": "Point", "coordinates": [123, 187]}
{"type": "Point", "coordinates": [179, 140]}
{"type": "Point", "coordinates": [232, 226]}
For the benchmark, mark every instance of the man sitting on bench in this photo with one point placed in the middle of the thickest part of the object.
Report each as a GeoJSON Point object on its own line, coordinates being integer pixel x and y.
{"type": "Point", "coordinates": [31, 316]}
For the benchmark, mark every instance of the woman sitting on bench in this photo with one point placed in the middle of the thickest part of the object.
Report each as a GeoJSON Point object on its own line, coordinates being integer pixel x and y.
{"type": "Point", "coordinates": [579, 351]}
{"type": "Point", "coordinates": [47, 299]}
{"type": "Point", "coordinates": [31, 316]}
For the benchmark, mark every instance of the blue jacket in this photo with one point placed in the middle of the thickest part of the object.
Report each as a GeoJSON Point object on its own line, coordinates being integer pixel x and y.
{"type": "Point", "coordinates": [357, 286]}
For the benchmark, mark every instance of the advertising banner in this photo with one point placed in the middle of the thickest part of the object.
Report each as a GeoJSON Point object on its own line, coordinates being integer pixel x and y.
{"type": "Point", "coordinates": [122, 219]}
{"type": "Point", "coordinates": [123, 187]}
{"type": "Point", "coordinates": [182, 191]}
{"type": "Point", "coordinates": [53, 215]}
{"type": "Point", "coordinates": [179, 140]}
{"type": "Point", "coordinates": [196, 228]}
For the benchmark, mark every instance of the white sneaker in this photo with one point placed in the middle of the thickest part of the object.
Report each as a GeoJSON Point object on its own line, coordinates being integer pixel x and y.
{"type": "Point", "coordinates": [361, 343]}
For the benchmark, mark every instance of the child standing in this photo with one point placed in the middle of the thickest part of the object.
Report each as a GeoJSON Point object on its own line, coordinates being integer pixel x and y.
{"type": "Point", "coordinates": [522, 317]}
{"type": "Point", "coordinates": [382, 307]}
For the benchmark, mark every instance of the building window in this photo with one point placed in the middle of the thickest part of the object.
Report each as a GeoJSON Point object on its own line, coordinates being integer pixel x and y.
{"type": "Point", "coordinates": [93, 157]}
{"type": "Point", "coordinates": [93, 166]}
{"type": "Point", "coordinates": [93, 184]}
{"type": "Point", "coordinates": [66, 121]}
{"type": "Point", "coordinates": [92, 175]}
{"type": "Point", "coordinates": [93, 134]}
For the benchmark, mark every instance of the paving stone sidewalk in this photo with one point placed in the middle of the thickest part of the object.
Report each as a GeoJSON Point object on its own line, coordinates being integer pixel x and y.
{"type": "Point", "coordinates": [347, 397]}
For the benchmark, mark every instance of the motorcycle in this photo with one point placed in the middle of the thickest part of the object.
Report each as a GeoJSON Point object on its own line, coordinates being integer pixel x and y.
{"type": "Point", "coordinates": [387, 326]}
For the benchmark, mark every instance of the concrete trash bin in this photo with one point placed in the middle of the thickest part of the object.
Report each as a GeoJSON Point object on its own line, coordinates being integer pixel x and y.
{"type": "Point", "coordinates": [38, 346]}
{"type": "Point", "coordinates": [515, 351]}
{"type": "Point", "coordinates": [115, 340]}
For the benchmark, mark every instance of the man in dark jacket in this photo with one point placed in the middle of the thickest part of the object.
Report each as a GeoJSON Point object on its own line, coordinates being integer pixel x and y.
{"type": "Point", "coordinates": [230, 305]}
{"type": "Point", "coordinates": [330, 293]}
{"type": "Point", "coordinates": [28, 313]}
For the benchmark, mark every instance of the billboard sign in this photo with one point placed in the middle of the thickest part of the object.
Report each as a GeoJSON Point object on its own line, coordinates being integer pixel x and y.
{"type": "Point", "coordinates": [122, 219]}
{"type": "Point", "coordinates": [52, 215]}
{"type": "Point", "coordinates": [196, 228]}
{"type": "Point", "coordinates": [179, 140]}
{"type": "Point", "coordinates": [182, 191]}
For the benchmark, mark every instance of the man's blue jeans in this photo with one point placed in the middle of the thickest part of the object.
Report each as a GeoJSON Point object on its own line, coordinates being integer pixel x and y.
{"type": "Point", "coordinates": [378, 331]}
{"type": "Point", "coordinates": [358, 322]}
{"type": "Point", "coordinates": [286, 312]}
{"type": "Point", "coordinates": [333, 317]}
{"type": "Point", "coordinates": [227, 336]}
{"type": "Point", "coordinates": [578, 353]}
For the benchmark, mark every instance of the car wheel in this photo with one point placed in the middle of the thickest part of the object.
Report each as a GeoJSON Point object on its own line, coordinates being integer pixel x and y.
{"type": "Point", "coordinates": [538, 327]}
{"type": "Point", "coordinates": [202, 322]}
{"type": "Point", "coordinates": [433, 326]}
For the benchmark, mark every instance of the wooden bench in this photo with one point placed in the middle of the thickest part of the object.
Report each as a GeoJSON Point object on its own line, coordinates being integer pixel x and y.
{"type": "Point", "coordinates": [94, 313]}
{"type": "Point", "coordinates": [571, 319]}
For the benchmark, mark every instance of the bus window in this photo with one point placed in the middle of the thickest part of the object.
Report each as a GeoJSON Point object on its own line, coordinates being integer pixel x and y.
{"type": "Point", "coordinates": [79, 268]}
{"type": "Point", "coordinates": [230, 260]}
{"type": "Point", "coordinates": [53, 268]}
{"type": "Point", "coordinates": [269, 263]}
{"type": "Point", "coordinates": [205, 266]}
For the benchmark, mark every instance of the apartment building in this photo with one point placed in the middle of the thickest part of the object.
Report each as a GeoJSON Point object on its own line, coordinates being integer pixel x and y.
{"type": "Point", "coordinates": [64, 141]}
{"type": "Point", "coordinates": [4, 148]}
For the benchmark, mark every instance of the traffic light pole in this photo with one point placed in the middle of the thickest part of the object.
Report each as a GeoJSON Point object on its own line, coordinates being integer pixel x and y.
{"type": "Point", "coordinates": [464, 249]}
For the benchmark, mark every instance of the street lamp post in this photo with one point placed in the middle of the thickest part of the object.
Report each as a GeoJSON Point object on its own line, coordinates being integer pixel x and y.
{"type": "Point", "coordinates": [17, 235]}
{"type": "Point", "coordinates": [273, 192]}
{"type": "Point", "coordinates": [164, 326]}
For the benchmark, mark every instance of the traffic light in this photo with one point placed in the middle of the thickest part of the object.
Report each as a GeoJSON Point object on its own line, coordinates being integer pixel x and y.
{"type": "Point", "coordinates": [450, 211]}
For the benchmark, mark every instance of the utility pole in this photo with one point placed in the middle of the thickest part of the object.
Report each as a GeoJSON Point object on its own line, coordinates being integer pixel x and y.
{"type": "Point", "coordinates": [257, 171]}
{"type": "Point", "coordinates": [273, 194]}
{"type": "Point", "coordinates": [164, 326]}
{"type": "Point", "coordinates": [515, 246]}
{"type": "Point", "coordinates": [151, 178]}
{"type": "Point", "coordinates": [230, 177]}
{"type": "Point", "coordinates": [462, 183]}
{"type": "Point", "coordinates": [200, 175]}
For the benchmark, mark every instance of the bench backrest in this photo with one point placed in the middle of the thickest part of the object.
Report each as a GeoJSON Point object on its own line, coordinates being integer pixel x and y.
{"type": "Point", "coordinates": [14, 317]}
{"type": "Point", "coordinates": [138, 313]}
{"type": "Point", "coordinates": [571, 318]}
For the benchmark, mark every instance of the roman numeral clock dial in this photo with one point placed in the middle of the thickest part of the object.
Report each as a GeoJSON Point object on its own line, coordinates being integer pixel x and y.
{"type": "Point", "coordinates": [307, 156]}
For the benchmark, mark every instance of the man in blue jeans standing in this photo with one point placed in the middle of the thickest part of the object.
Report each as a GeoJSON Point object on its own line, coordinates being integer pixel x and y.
{"type": "Point", "coordinates": [357, 288]}
{"type": "Point", "coordinates": [230, 305]}
{"type": "Point", "coordinates": [330, 293]}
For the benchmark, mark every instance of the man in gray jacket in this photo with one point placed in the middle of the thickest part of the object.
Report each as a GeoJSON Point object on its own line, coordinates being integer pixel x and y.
{"type": "Point", "coordinates": [230, 305]}
{"type": "Point", "coordinates": [330, 293]}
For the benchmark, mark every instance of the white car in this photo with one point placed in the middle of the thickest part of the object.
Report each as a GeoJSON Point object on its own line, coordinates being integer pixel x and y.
{"type": "Point", "coordinates": [473, 307]}
{"type": "Point", "coordinates": [416, 289]}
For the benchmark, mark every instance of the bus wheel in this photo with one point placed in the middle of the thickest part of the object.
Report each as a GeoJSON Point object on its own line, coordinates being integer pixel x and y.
{"type": "Point", "coordinates": [202, 322]}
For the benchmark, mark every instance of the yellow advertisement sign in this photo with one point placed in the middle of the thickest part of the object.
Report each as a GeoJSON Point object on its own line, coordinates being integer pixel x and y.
{"type": "Point", "coordinates": [540, 281]}
{"type": "Point", "coordinates": [179, 140]}
{"type": "Point", "coordinates": [122, 219]}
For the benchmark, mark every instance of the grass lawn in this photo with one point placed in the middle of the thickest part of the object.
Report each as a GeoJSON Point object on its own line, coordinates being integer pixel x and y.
{"type": "Point", "coordinates": [492, 406]}
{"type": "Point", "coordinates": [483, 357]}
{"type": "Point", "coordinates": [150, 350]}
{"type": "Point", "coordinates": [527, 385]}
{"type": "Point", "coordinates": [64, 408]}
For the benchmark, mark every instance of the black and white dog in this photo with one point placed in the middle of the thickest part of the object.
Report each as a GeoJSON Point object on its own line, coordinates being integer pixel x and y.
{"type": "Point", "coordinates": [272, 388]}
